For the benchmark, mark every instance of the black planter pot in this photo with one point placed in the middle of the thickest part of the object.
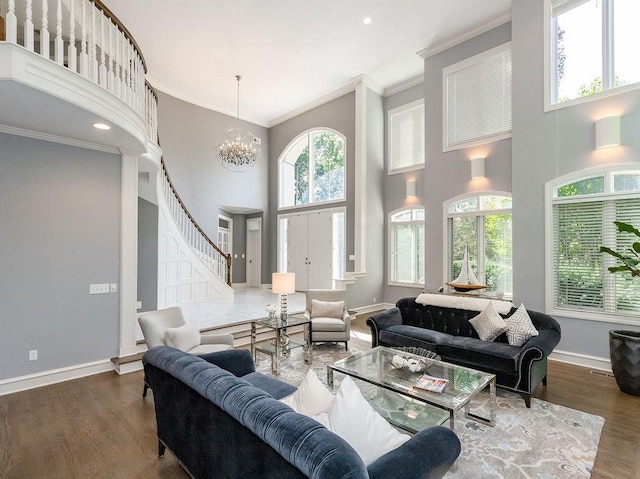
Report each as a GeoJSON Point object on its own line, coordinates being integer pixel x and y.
{"type": "Point", "coordinates": [624, 347]}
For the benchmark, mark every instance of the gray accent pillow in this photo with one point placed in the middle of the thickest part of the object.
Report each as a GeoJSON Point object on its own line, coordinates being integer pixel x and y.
{"type": "Point", "coordinates": [489, 324]}
{"type": "Point", "coordinates": [519, 327]}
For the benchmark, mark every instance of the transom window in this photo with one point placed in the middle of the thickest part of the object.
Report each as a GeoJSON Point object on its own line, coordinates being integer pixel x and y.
{"type": "Point", "coordinates": [407, 247]}
{"type": "Point", "coordinates": [593, 47]}
{"type": "Point", "coordinates": [583, 210]}
{"type": "Point", "coordinates": [481, 224]}
{"type": "Point", "coordinates": [312, 169]}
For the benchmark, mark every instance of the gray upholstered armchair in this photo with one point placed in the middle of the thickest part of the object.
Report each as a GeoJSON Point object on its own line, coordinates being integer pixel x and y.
{"type": "Point", "coordinates": [167, 327]}
{"type": "Point", "coordinates": [330, 320]}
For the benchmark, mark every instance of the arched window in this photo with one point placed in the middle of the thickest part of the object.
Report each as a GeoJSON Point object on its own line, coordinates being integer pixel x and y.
{"type": "Point", "coordinates": [481, 224]}
{"type": "Point", "coordinates": [583, 207]}
{"type": "Point", "coordinates": [312, 169]}
{"type": "Point", "coordinates": [406, 237]}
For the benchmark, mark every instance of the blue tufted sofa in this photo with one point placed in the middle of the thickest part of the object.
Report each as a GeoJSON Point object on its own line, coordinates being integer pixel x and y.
{"type": "Point", "coordinates": [222, 419]}
{"type": "Point", "coordinates": [447, 332]}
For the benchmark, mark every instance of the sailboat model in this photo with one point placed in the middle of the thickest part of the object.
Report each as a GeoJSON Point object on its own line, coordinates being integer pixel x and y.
{"type": "Point", "coordinates": [466, 280]}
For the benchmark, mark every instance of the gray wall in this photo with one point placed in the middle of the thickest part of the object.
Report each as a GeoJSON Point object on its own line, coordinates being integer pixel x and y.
{"type": "Point", "coordinates": [60, 232]}
{"type": "Point", "coordinates": [147, 255]}
{"type": "Point", "coordinates": [339, 115]}
{"type": "Point", "coordinates": [188, 136]}
{"type": "Point", "coordinates": [547, 145]}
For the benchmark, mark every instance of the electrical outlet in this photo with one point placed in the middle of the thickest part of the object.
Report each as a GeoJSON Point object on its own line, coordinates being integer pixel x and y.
{"type": "Point", "coordinates": [33, 355]}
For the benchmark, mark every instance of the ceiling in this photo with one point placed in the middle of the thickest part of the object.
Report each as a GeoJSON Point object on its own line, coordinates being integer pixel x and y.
{"type": "Point", "coordinates": [291, 53]}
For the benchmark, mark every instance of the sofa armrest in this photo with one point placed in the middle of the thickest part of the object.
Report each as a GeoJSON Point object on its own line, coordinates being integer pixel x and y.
{"type": "Point", "coordinates": [381, 321]}
{"type": "Point", "coordinates": [545, 342]}
{"type": "Point", "coordinates": [238, 362]}
{"type": "Point", "coordinates": [427, 455]}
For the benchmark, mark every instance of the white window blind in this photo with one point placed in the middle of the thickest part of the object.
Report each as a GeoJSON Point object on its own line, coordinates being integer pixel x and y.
{"type": "Point", "coordinates": [581, 278]}
{"type": "Point", "coordinates": [406, 136]}
{"type": "Point", "coordinates": [477, 99]}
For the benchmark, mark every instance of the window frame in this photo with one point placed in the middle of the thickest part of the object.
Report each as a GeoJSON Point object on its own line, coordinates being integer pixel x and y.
{"type": "Point", "coordinates": [608, 196]}
{"type": "Point", "coordinates": [459, 66]}
{"type": "Point", "coordinates": [550, 65]}
{"type": "Point", "coordinates": [284, 156]}
{"type": "Point", "coordinates": [390, 114]}
{"type": "Point", "coordinates": [391, 281]}
{"type": "Point", "coordinates": [446, 230]}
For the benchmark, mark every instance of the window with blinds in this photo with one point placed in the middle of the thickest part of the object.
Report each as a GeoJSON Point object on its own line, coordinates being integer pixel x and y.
{"type": "Point", "coordinates": [582, 222]}
{"type": "Point", "coordinates": [406, 137]}
{"type": "Point", "coordinates": [477, 99]}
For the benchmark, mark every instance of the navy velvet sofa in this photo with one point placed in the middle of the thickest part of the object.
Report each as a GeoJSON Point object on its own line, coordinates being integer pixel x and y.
{"type": "Point", "coordinates": [222, 419]}
{"type": "Point", "coordinates": [447, 332]}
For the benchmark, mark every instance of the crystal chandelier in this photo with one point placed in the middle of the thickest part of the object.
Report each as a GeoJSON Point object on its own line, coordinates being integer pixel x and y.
{"type": "Point", "coordinates": [238, 149]}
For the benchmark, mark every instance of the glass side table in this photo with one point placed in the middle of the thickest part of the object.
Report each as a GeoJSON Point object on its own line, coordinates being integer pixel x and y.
{"type": "Point", "coordinates": [281, 345]}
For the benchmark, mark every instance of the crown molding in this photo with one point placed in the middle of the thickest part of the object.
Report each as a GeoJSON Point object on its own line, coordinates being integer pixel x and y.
{"type": "Point", "coordinates": [36, 135]}
{"type": "Point", "coordinates": [453, 41]}
{"type": "Point", "coordinates": [404, 85]}
{"type": "Point", "coordinates": [170, 91]}
{"type": "Point", "coordinates": [368, 82]}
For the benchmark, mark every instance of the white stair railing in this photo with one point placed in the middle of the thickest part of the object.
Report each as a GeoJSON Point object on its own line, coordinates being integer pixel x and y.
{"type": "Point", "coordinates": [211, 255]}
{"type": "Point", "coordinates": [105, 52]}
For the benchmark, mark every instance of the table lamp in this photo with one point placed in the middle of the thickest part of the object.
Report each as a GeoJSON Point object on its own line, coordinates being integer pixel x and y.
{"type": "Point", "coordinates": [283, 284]}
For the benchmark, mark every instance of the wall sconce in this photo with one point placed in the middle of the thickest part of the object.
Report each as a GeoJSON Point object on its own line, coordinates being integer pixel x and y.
{"type": "Point", "coordinates": [477, 168]}
{"type": "Point", "coordinates": [411, 188]}
{"type": "Point", "coordinates": [608, 132]}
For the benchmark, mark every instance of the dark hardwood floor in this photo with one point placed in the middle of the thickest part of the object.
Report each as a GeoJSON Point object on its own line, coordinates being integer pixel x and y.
{"type": "Point", "coordinates": [100, 427]}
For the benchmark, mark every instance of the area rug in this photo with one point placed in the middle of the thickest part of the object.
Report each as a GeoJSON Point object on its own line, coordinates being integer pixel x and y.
{"type": "Point", "coordinates": [546, 441]}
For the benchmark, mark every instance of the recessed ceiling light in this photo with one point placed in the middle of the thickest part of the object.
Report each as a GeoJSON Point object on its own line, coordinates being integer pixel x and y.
{"type": "Point", "coordinates": [366, 20]}
{"type": "Point", "coordinates": [101, 126]}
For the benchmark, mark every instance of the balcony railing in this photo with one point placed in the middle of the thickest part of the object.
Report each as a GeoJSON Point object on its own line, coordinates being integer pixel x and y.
{"type": "Point", "coordinates": [86, 38]}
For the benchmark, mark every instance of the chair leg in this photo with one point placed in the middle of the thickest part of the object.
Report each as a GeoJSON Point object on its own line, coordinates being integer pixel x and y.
{"type": "Point", "coordinates": [144, 391]}
{"type": "Point", "coordinates": [161, 448]}
{"type": "Point", "coordinates": [346, 345]}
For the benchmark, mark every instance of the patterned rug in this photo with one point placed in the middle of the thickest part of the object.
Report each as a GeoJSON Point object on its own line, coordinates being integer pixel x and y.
{"type": "Point", "coordinates": [546, 441]}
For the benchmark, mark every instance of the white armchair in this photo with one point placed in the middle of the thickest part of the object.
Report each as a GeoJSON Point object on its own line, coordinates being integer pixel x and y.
{"type": "Point", "coordinates": [330, 320]}
{"type": "Point", "coordinates": [168, 327]}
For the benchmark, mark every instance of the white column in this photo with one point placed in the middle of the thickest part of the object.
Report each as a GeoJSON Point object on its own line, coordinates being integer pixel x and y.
{"type": "Point", "coordinates": [128, 254]}
{"type": "Point", "coordinates": [360, 202]}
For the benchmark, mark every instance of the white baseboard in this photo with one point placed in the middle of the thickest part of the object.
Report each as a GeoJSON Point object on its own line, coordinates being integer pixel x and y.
{"type": "Point", "coordinates": [130, 367]}
{"type": "Point", "coordinates": [371, 308]}
{"type": "Point", "coordinates": [584, 360]}
{"type": "Point", "coordinates": [46, 378]}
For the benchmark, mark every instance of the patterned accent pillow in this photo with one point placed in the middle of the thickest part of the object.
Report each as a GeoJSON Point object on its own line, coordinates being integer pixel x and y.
{"type": "Point", "coordinates": [488, 324]}
{"type": "Point", "coordinates": [520, 328]}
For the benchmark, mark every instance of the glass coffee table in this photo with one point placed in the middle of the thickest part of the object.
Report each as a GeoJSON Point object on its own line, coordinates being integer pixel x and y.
{"type": "Point", "coordinates": [393, 392]}
{"type": "Point", "coordinates": [279, 347]}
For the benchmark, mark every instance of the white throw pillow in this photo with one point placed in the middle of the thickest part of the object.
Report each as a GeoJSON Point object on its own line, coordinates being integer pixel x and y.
{"type": "Point", "coordinates": [327, 309]}
{"type": "Point", "coordinates": [353, 419]}
{"type": "Point", "coordinates": [185, 337]}
{"type": "Point", "coordinates": [488, 324]}
{"type": "Point", "coordinates": [520, 328]}
{"type": "Point", "coordinates": [311, 398]}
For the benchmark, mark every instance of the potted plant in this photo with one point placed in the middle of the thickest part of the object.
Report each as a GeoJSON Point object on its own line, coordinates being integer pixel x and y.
{"type": "Point", "coordinates": [624, 346]}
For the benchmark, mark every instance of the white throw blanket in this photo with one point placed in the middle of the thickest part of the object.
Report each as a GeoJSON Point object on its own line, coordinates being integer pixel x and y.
{"type": "Point", "coordinates": [463, 302]}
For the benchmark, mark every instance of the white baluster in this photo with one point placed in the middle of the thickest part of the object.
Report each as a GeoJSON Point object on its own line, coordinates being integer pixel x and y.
{"type": "Point", "coordinates": [58, 42]}
{"type": "Point", "coordinates": [124, 61]}
{"type": "Point", "coordinates": [44, 30]}
{"type": "Point", "coordinates": [116, 61]}
{"type": "Point", "coordinates": [72, 52]}
{"type": "Point", "coordinates": [110, 78]}
{"type": "Point", "coordinates": [11, 26]}
{"type": "Point", "coordinates": [28, 27]}
{"type": "Point", "coordinates": [84, 55]}
{"type": "Point", "coordinates": [103, 66]}
{"type": "Point", "coordinates": [94, 47]}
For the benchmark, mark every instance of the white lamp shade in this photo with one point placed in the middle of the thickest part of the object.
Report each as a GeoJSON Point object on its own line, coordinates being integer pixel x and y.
{"type": "Point", "coordinates": [477, 168]}
{"type": "Point", "coordinates": [608, 132]}
{"type": "Point", "coordinates": [283, 283]}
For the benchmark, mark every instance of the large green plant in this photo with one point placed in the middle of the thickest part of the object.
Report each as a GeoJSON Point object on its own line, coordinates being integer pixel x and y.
{"type": "Point", "coordinates": [630, 259]}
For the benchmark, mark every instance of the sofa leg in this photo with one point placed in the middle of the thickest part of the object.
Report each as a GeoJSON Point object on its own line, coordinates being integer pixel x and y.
{"type": "Point", "coordinates": [527, 399]}
{"type": "Point", "coordinates": [161, 448]}
{"type": "Point", "coordinates": [544, 381]}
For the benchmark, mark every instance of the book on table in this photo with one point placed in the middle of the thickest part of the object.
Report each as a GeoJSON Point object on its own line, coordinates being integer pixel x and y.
{"type": "Point", "coordinates": [431, 383]}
